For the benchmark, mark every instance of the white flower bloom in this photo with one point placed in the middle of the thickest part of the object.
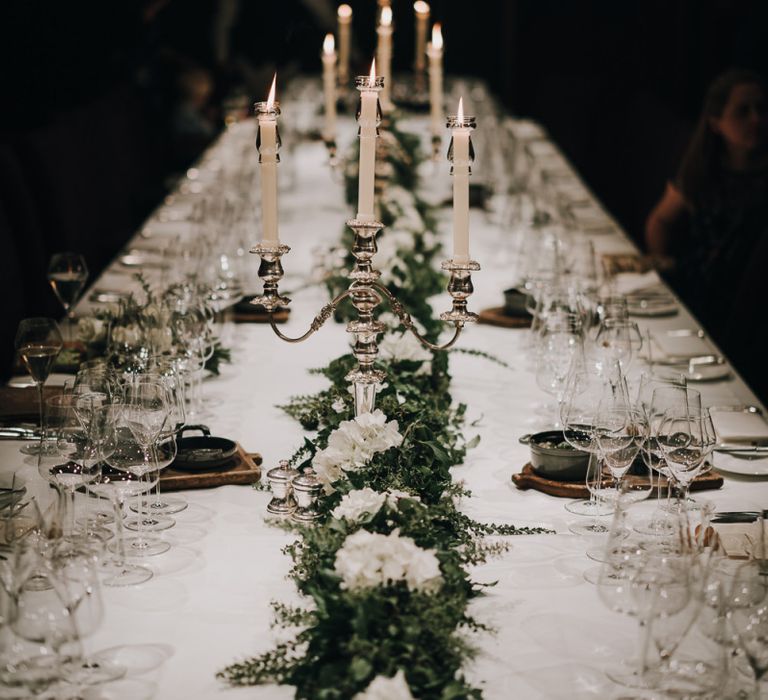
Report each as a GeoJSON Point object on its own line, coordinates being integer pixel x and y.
{"type": "Point", "coordinates": [125, 335]}
{"type": "Point", "coordinates": [339, 406]}
{"type": "Point", "coordinates": [394, 495]}
{"type": "Point", "coordinates": [352, 445]}
{"type": "Point", "coordinates": [405, 346]}
{"type": "Point", "coordinates": [383, 688]}
{"type": "Point", "coordinates": [370, 559]}
{"type": "Point", "coordinates": [161, 339]}
{"type": "Point", "coordinates": [359, 502]}
{"type": "Point", "coordinates": [91, 330]}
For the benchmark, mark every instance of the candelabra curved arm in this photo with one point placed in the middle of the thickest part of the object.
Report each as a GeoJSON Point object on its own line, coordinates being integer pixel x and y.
{"type": "Point", "coordinates": [405, 317]}
{"type": "Point", "coordinates": [317, 322]}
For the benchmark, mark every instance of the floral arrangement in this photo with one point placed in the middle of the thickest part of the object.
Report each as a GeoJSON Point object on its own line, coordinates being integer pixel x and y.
{"type": "Point", "coordinates": [134, 321]}
{"type": "Point", "coordinates": [385, 574]}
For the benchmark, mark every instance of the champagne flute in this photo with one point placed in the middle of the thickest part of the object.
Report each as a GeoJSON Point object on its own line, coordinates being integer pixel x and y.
{"type": "Point", "coordinates": [38, 342]}
{"type": "Point", "coordinates": [67, 274]}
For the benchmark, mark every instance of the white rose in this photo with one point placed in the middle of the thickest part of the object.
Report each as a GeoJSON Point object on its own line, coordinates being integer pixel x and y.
{"type": "Point", "coordinates": [394, 495]}
{"type": "Point", "coordinates": [383, 688]}
{"type": "Point", "coordinates": [405, 346]}
{"type": "Point", "coordinates": [125, 335]}
{"type": "Point", "coordinates": [423, 572]}
{"type": "Point", "coordinates": [161, 339]}
{"type": "Point", "coordinates": [368, 559]}
{"type": "Point", "coordinates": [359, 502]}
{"type": "Point", "coordinates": [90, 330]}
{"type": "Point", "coordinates": [352, 445]}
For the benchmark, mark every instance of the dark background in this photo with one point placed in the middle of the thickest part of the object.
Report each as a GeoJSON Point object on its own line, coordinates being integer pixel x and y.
{"type": "Point", "coordinates": [86, 149]}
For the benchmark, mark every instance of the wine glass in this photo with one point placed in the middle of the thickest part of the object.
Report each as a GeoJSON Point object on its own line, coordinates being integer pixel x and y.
{"type": "Point", "coordinates": [686, 438]}
{"type": "Point", "coordinates": [618, 341]}
{"type": "Point", "coordinates": [77, 570]}
{"type": "Point", "coordinates": [80, 448]}
{"type": "Point", "coordinates": [559, 342]}
{"type": "Point", "coordinates": [67, 274]}
{"type": "Point", "coordinates": [749, 618]}
{"type": "Point", "coordinates": [153, 517]}
{"type": "Point", "coordinates": [595, 480]}
{"type": "Point", "coordinates": [38, 342]}
{"type": "Point", "coordinates": [37, 613]}
{"type": "Point", "coordinates": [619, 431]}
{"type": "Point", "coordinates": [144, 416]}
{"type": "Point", "coordinates": [117, 486]}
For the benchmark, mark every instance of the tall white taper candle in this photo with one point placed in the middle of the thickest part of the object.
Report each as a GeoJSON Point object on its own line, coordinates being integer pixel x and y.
{"type": "Point", "coordinates": [329, 88]}
{"type": "Point", "coordinates": [461, 165]}
{"type": "Point", "coordinates": [268, 159]}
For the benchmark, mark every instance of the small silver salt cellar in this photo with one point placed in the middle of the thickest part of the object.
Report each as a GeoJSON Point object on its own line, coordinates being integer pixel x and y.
{"type": "Point", "coordinates": [307, 489]}
{"type": "Point", "coordinates": [280, 479]}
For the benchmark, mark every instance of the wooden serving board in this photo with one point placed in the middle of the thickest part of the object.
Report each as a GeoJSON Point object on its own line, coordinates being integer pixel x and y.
{"type": "Point", "coordinates": [245, 312]}
{"type": "Point", "coordinates": [20, 404]}
{"type": "Point", "coordinates": [528, 479]}
{"type": "Point", "coordinates": [497, 317]}
{"type": "Point", "coordinates": [243, 469]}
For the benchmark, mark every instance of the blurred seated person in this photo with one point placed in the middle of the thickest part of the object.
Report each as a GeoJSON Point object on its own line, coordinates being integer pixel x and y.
{"type": "Point", "coordinates": [721, 192]}
{"type": "Point", "coordinates": [193, 125]}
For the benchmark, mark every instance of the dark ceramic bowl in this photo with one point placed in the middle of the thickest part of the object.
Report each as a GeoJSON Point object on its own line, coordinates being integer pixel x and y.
{"type": "Point", "coordinates": [553, 458]}
{"type": "Point", "coordinates": [514, 302]}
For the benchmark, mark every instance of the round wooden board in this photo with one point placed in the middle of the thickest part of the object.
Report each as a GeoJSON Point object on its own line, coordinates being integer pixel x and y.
{"type": "Point", "coordinates": [497, 317]}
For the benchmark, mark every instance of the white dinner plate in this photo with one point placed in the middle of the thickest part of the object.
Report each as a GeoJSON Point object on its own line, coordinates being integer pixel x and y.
{"type": "Point", "coordinates": [728, 464]}
{"type": "Point", "coordinates": [54, 379]}
{"type": "Point", "coordinates": [652, 308]}
{"type": "Point", "coordinates": [708, 373]}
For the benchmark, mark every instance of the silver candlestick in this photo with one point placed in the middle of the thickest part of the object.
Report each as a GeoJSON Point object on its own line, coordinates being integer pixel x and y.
{"type": "Point", "coordinates": [366, 293]}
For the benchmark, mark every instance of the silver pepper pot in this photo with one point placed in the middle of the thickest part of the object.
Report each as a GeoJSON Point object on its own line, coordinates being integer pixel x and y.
{"type": "Point", "coordinates": [307, 488]}
{"type": "Point", "coordinates": [280, 479]}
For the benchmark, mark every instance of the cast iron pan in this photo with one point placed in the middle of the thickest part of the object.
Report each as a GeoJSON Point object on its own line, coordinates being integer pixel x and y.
{"type": "Point", "coordinates": [202, 451]}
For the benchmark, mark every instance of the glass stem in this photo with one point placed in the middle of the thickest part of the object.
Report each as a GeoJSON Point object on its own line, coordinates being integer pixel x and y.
{"type": "Point", "coordinates": [40, 404]}
{"type": "Point", "coordinates": [72, 513]}
{"type": "Point", "coordinates": [117, 504]}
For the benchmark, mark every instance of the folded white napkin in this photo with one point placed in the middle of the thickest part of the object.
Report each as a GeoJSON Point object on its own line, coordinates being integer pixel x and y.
{"type": "Point", "coordinates": [671, 346]}
{"type": "Point", "coordinates": [738, 426]}
{"type": "Point", "coordinates": [630, 282]}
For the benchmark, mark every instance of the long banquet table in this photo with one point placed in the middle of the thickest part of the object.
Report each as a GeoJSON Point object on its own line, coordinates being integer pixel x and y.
{"type": "Point", "coordinates": [208, 603]}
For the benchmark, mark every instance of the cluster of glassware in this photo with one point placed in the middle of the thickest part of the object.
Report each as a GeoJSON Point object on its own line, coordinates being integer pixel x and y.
{"type": "Point", "coordinates": [107, 435]}
{"type": "Point", "coordinates": [702, 616]}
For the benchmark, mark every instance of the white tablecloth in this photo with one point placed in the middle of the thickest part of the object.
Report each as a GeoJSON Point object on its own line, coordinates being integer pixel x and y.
{"type": "Point", "coordinates": [208, 603]}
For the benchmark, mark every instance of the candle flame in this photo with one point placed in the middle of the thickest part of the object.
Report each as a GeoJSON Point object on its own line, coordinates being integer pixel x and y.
{"type": "Point", "coordinates": [460, 111]}
{"type": "Point", "coordinates": [421, 7]}
{"type": "Point", "coordinates": [372, 76]}
{"type": "Point", "coordinates": [271, 98]}
{"type": "Point", "coordinates": [437, 36]}
{"type": "Point", "coordinates": [386, 16]}
{"type": "Point", "coordinates": [344, 11]}
{"type": "Point", "coordinates": [328, 44]}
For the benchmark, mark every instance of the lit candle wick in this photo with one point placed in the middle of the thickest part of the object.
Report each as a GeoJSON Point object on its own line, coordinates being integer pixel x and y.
{"type": "Point", "coordinates": [328, 44]}
{"type": "Point", "coordinates": [372, 76]}
{"type": "Point", "coordinates": [386, 16]}
{"type": "Point", "coordinates": [460, 111]}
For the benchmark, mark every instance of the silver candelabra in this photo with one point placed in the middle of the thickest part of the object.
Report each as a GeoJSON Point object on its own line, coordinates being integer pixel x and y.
{"type": "Point", "coordinates": [366, 293]}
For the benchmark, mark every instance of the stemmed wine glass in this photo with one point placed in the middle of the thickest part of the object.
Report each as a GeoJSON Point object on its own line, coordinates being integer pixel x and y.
{"type": "Point", "coordinates": [686, 438]}
{"type": "Point", "coordinates": [619, 431]}
{"type": "Point", "coordinates": [560, 341]}
{"type": "Point", "coordinates": [749, 617]}
{"type": "Point", "coordinates": [146, 412]}
{"type": "Point", "coordinates": [38, 342]}
{"type": "Point", "coordinates": [67, 274]}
